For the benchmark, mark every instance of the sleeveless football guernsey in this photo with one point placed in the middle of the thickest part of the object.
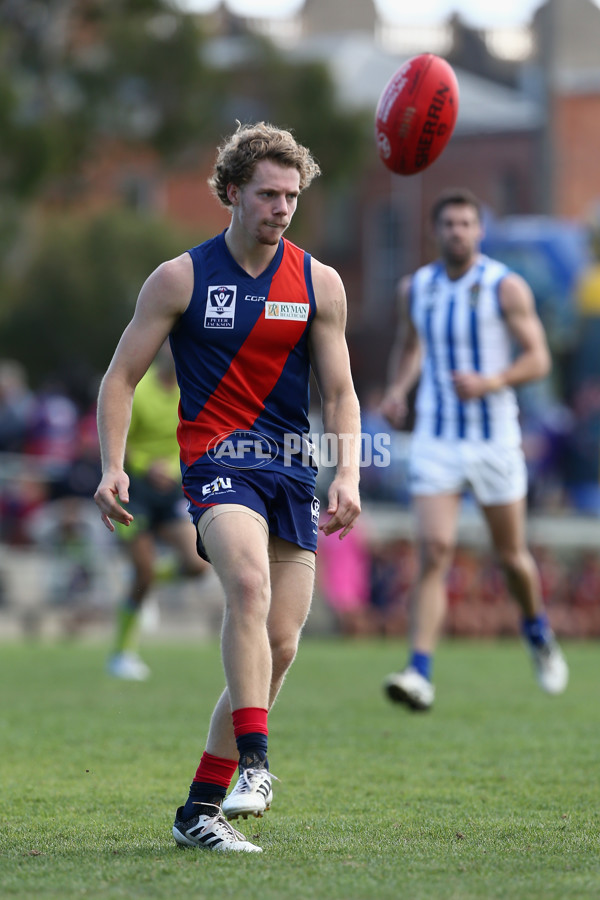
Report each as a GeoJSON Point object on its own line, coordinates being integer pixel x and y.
{"type": "Point", "coordinates": [242, 362]}
{"type": "Point", "coordinates": [461, 328]}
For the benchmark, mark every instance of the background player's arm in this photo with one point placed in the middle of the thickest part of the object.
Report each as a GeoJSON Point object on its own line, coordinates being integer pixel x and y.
{"type": "Point", "coordinates": [163, 298]}
{"type": "Point", "coordinates": [404, 365]}
{"type": "Point", "coordinates": [340, 408]}
{"type": "Point", "coordinates": [533, 360]}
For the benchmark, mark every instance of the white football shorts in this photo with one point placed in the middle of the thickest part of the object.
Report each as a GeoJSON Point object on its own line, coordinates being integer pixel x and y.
{"type": "Point", "coordinates": [494, 473]}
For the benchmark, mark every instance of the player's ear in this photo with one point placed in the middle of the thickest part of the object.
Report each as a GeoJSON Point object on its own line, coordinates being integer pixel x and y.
{"type": "Point", "coordinates": [233, 193]}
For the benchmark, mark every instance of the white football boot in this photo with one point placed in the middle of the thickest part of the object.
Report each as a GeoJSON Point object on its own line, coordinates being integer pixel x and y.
{"type": "Point", "coordinates": [551, 669]}
{"type": "Point", "coordinates": [252, 794]}
{"type": "Point", "coordinates": [128, 667]}
{"type": "Point", "coordinates": [211, 833]}
{"type": "Point", "coordinates": [411, 688]}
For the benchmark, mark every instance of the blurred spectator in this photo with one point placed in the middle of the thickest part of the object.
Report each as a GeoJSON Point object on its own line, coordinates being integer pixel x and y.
{"type": "Point", "coordinates": [580, 472]}
{"type": "Point", "coordinates": [52, 431]}
{"type": "Point", "coordinates": [547, 433]}
{"type": "Point", "coordinates": [393, 566]}
{"type": "Point", "coordinates": [374, 477]}
{"type": "Point", "coordinates": [80, 477]}
{"type": "Point", "coordinates": [66, 525]}
{"type": "Point", "coordinates": [76, 546]}
{"type": "Point", "coordinates": [22, 493]}
{"type": "Point", "coordinates": [343, 570]}
{"type": "Point", "coordinates": [16, 402]}
{"type": "Point", "coordinates": [553, 576]}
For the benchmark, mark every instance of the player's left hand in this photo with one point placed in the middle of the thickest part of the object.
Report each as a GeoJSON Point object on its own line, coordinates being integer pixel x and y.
{"type": "Point", "coordinates": [343, 507]}
{"type": "Point", "coordinates": [471, 385]}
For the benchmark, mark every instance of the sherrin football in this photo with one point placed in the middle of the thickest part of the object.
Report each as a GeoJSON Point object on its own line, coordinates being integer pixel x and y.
{"type": "Point", "coordinates": [416, 114]}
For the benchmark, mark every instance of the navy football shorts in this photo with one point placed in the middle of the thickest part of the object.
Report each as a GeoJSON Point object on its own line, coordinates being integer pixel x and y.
{"type": "Point", "coordinates": [288, 506]}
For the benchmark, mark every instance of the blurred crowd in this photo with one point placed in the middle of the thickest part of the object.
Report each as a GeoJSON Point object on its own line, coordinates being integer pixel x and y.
{"type": "Point", "coordinates": [50, 467]}
{"type": "Point", "coordinates": [48, 450]}
{"type": "Point", "coordinates": [366, 584]}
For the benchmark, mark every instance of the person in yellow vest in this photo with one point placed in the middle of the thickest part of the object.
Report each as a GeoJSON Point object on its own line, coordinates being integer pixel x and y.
{"type": "Point", "coordinates": [158, 505]}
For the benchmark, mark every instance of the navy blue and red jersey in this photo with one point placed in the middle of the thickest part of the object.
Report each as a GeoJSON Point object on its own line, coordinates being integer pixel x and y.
{"type": "Point", "coordinates": [242, 360]}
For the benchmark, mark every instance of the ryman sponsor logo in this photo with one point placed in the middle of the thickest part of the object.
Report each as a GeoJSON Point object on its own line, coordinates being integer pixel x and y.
{"type": "Point", "coordinates": [280, 309]}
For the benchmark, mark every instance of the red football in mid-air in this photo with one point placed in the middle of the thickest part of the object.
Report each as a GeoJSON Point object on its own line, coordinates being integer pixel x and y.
{"type": "Point", "coordinates": [416, 114]}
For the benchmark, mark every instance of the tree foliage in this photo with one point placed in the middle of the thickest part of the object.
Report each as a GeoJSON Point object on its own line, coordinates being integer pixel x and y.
{"type": "Point", "coordinates": [76, 72]}
{"type": "Point", "coordinates": [80, 287]}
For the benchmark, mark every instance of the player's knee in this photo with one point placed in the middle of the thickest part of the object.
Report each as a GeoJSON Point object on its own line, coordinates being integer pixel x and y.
{"type": "Point", "coordinates": [248, 592]}
{"type": "Point", "coordinates": [436, 554]}
{"type": "Point", "coordinates": [283, 653]}
{"type": "Point", "coordinates": [515, 563]}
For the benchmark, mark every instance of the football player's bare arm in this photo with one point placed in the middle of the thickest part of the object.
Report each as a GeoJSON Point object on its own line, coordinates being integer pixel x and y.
{"type": "Point", "coordinates": [404, 366]}
{"type": "Point", "coordinates": [163, 298]}
{"type": "Point", "coordinates": [340, 408]}
{"type": "Point", "coordinates": [518, 305]}
{"type": "Point", "coordinates": [533, 360]}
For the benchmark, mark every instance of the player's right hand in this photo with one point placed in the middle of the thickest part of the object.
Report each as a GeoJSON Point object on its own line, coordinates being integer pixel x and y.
{"type": "Point", "coordinates": [114, 487]}
{"type": "Point", "coordinates": [394, 407]}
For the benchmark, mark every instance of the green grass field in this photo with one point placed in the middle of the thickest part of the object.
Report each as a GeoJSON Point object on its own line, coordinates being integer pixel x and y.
{"type": "Point", "coordinates": [494, 794]}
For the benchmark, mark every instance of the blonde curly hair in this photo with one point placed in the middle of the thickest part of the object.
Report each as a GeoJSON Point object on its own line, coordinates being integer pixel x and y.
{"type": "Point", "coordinates": [238, 155]}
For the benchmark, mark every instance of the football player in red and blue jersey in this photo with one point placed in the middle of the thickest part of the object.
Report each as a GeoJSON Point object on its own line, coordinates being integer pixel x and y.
{"type": "Point", "coordinates": [248, 314]}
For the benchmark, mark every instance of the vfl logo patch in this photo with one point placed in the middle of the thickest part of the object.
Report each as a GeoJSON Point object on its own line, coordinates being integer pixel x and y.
{"type": "Point", "coordinates": [279, 309]}
{"type": "Point", "coordinates": [220, 306]}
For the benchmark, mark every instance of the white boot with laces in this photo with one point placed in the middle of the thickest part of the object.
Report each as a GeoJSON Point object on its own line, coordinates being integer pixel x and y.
{"type": "Point", "coordinates": [210, 832]}
{"type": "Point", "coordinates": [252, 794]}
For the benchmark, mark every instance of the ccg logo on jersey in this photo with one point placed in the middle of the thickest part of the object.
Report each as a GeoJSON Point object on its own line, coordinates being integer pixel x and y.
{"type": "Point", "coordinates": [220, 306]}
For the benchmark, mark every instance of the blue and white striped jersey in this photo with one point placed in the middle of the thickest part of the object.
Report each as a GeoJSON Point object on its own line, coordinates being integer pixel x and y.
{"type": "Point", "coordinates": [461, 328]}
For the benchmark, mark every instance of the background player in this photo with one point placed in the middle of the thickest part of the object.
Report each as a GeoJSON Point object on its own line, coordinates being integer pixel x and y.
{"type": "Point", "coordinates": [458, 319]}
{"type": "Point", "coordinates": [157, 504]}
{"type": "Point", "coordinates": [248, 313]}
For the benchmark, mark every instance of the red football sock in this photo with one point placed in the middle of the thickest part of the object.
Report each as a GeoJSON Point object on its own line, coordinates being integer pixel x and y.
{"type": "Point", "coordinates": [215, 770]}
{"type": "Point", "coordinates": [250, 720]}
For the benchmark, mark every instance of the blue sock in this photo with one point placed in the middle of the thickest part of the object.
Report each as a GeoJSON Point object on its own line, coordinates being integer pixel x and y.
{"type": "Point", "coordinates": [422, 662]}
{"type": "Point", "coordinates": [252, 745]}
{"type": "Point", "coordinates": [536, 630]}
{"type": "Point", "coordinates": [201, 793]}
